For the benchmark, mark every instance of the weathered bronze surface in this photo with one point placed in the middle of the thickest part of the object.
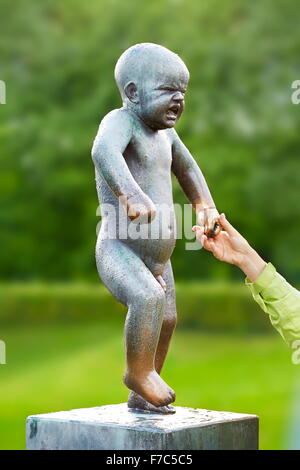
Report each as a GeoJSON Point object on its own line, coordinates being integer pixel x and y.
{"type": "Point", "coordinates": [134, 152]}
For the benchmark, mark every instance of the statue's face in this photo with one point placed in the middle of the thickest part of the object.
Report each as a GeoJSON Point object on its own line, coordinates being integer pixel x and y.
{"type": "Point", "coordinates": [162, 98]}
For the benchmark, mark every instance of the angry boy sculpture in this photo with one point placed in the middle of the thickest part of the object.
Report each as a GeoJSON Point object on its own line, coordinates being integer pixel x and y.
{"type": "Point", "coordinates": [134, 152]}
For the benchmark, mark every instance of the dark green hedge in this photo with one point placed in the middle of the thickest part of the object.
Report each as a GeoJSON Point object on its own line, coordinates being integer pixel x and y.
{"type": "Point", "coordinates": [208, 306]}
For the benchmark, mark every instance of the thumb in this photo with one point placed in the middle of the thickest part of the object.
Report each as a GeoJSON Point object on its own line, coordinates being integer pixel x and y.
{"type": "Point", "coordinates": [227, 225]}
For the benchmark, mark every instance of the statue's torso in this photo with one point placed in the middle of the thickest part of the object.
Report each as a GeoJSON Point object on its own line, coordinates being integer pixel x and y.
{"type": "Point", "coordinates": [149, 158]}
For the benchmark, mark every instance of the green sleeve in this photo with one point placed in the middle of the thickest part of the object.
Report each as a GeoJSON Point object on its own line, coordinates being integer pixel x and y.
{"type": "Point", "coordinates": [280, 300]}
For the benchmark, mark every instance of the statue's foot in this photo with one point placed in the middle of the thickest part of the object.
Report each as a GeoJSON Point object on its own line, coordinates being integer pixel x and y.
{"type": "Point", "coordinates": [138, 403]}
{"type": "Point", "coordinates": [151, 387]}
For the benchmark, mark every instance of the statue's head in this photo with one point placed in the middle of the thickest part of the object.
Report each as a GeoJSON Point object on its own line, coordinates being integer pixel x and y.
{"type": "Point", "coordinates": [152, 81]}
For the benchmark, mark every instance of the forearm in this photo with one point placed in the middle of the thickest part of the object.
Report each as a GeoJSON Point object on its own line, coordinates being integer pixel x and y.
{"type": "Point", "coordinates": [189, 176]}
{"type": "Point", "coordinates": [195, 187]}
{"type": "Point", "coordinates": [280, 301]}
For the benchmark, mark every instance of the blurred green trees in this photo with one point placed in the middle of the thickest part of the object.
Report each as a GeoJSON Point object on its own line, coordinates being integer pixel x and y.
{"type": "Point", "coordinates": [57, 59]}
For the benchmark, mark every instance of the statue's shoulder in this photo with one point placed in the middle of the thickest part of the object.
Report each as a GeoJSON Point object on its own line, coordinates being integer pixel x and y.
{"type": "Point", "coordinates": [171, 134]}
{"type": "Point", "coordinates": [119, 119]}
{"type": "Point", "coordinates": [115, 130]}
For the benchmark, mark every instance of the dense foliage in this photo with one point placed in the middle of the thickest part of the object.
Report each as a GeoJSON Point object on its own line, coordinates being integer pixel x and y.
{"type": "Point", "coordinates": [57, 60]}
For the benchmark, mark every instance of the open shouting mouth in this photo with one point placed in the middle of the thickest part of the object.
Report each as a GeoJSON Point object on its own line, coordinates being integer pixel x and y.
{"type": "Point", "coordinates": [173, 112]}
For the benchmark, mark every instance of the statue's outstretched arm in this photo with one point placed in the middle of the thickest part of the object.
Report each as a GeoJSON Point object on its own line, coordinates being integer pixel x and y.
{"type": "Point", "coordinates": [194, 185]}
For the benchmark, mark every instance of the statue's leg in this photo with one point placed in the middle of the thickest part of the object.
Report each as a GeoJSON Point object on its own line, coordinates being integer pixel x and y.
{"type": "Point", "coordinates": [132, 283]}
{"type": "Point", "coordinates": [167, 329]}
{"type": "Point", "coordinates": [169, 320]}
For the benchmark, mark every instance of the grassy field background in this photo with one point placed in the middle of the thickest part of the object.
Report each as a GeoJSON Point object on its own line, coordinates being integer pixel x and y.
{"type": "Point", "coordinates": [61, 366]}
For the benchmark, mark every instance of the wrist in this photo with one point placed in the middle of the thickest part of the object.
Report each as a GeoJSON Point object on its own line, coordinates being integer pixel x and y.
{"type": "Point", "coordinates": [203, 206]}
{"type": "Point", "coordinates": [205, 211]}
{"type": "Point", "coordinates": [208, 208]}
{"type": "Point", "coordinates": [252, 264]}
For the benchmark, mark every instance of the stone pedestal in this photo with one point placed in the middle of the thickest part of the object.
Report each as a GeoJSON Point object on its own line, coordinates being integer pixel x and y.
{"type": "Point", "coordinates": [115, 427]}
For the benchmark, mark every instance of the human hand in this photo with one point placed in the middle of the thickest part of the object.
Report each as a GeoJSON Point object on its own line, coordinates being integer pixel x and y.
{"type": "Point", "coordinates": [208, 221]}
{"type": "Point", "coordinates": [140, 207]}
{"type": "Point", "coordinates": [228, 245]}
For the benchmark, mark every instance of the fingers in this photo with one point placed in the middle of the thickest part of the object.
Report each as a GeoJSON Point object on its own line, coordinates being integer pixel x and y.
{"type": "Point", "coordinates": [207, 243]}
{"type": "Point", "coordinates": [199, 233]}
{"type": "Point", "coordinates": [227, 226]}
{"type": "Point", "coordinates": [208, 221]}
{"type": "Point", "coordinates": [214, 230]}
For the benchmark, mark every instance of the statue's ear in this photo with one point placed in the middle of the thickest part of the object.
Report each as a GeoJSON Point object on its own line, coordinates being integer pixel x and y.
{"type": "Point", "coordinates": [132, 92]}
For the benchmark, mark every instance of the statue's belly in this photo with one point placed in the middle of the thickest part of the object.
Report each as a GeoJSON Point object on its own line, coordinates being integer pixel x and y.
{"type": "Point", "coordinates": [153, 242]}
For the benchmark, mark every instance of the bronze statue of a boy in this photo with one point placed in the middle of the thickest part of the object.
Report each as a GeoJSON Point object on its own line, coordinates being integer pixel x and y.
{"type": "Point", "coordinates": [134, 152]}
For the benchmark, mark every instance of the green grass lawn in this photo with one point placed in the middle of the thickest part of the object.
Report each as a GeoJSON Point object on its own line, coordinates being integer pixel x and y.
{"type": "Point", "coordinates": [65, 366]}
